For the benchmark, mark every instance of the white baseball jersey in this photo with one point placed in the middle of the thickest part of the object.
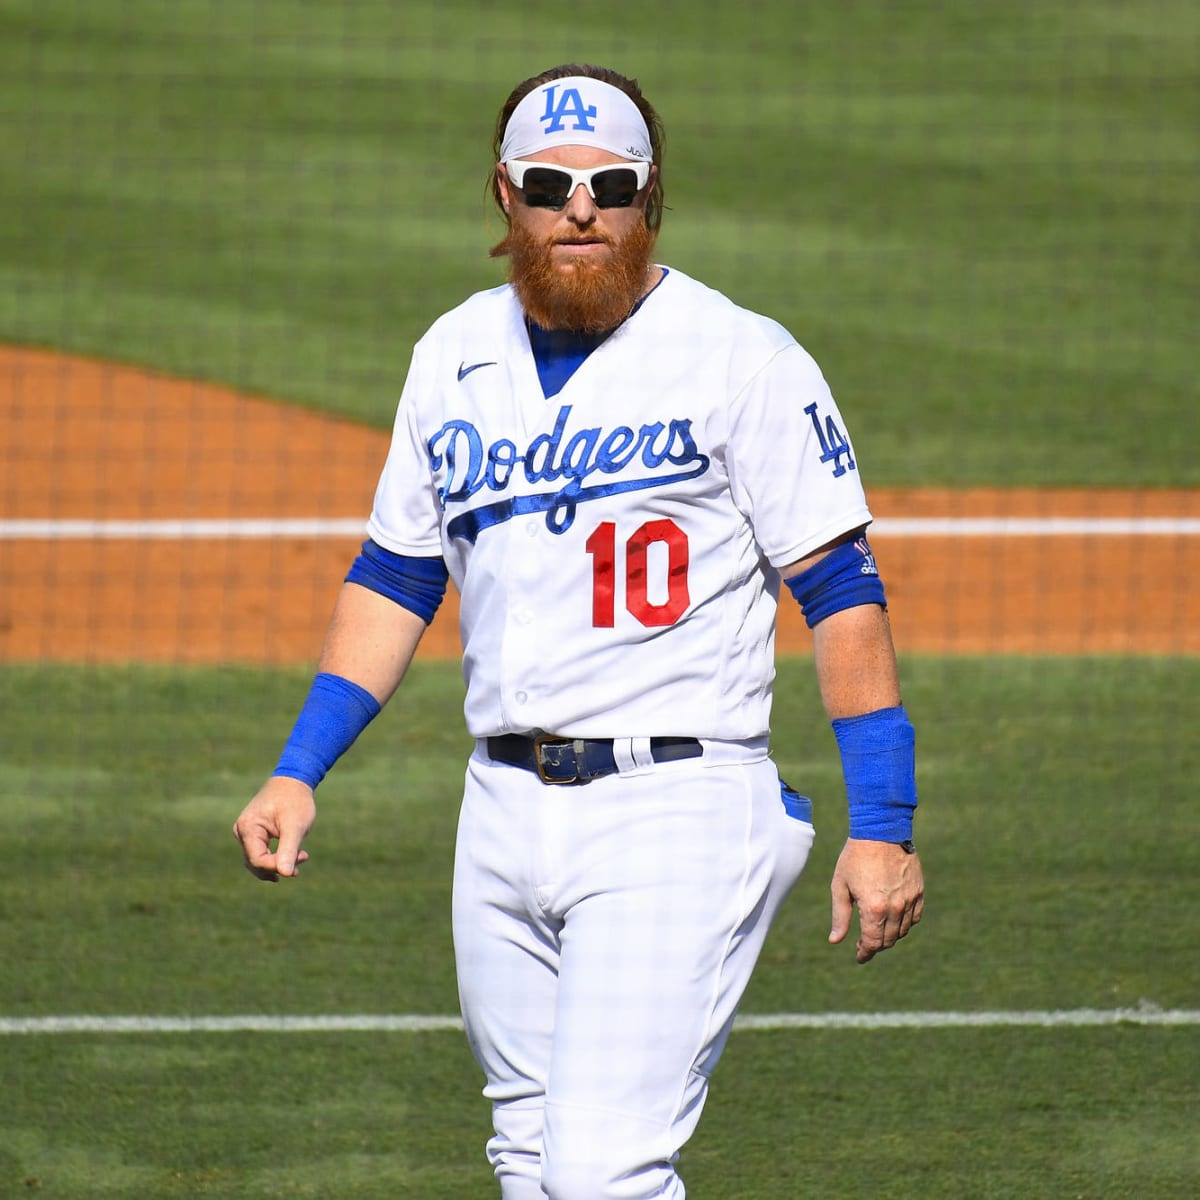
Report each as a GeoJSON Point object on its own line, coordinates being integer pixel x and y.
{"type": "Point", "coordinates": [616, 546]}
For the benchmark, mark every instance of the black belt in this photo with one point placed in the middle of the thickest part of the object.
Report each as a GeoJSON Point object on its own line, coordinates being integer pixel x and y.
{"type": "Point", "coordinates": [578, 760]}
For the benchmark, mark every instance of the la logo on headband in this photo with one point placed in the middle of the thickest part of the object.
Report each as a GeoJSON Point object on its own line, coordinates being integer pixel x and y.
{"type": "Point", "coordinates": [572, 111]}
{"type": "Point", "coordinates": [569, 105]}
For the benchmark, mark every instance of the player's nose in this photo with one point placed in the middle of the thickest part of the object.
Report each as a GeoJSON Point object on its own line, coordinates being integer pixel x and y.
{"type": "Point", "coordinates": [581, 208]}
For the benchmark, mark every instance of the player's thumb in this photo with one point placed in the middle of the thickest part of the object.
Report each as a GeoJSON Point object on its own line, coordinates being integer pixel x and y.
{"type": "Point", "coordinates": [287, 851]}
{"type": "Point", "coordinates": [843, 910]}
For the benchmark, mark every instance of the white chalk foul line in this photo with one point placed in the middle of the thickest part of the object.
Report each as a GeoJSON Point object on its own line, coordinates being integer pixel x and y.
{"type": "Point", "coordinates": [216, 528]}
{"type": "Point", "coordinates": [320, 527]}
{"type": "Point", "coordinates": [968, 527]}
{"type": "Point", "coordinates": [1074, 1017]}
{"type": "Point", "coordinates": [366, 1023]}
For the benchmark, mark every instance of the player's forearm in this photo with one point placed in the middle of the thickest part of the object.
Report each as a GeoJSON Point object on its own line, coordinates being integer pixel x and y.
{"type": "Point", "coordinates": [856, 662]}
{"type": "Point", "coordinates": [368, 648]}
{"type": "Point", "coordinates": [856, 669]}
{"type": "Point", "coordinates": [371, 641]}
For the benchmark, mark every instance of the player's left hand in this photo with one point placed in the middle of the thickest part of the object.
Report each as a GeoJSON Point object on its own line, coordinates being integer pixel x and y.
{"type": "Point", "coordinates": [888, 887]}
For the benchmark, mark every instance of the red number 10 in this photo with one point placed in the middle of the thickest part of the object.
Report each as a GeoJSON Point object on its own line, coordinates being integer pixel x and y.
{"type": "Point", "coordinates": [602, 546]}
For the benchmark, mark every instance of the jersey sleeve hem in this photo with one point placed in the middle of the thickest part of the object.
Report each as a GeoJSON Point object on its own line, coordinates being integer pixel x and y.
{"type": "Point", "coordinates": [424, 549]}
{"type": "Point", "coordinates": [834, 529]}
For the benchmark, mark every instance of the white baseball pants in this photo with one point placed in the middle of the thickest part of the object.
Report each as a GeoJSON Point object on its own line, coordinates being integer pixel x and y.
{"type": "Point", "coordinates": [604, 936]}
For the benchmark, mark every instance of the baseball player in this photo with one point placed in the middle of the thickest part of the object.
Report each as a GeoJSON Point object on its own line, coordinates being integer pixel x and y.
{"type": "Point", "coordinates": [617, 466]}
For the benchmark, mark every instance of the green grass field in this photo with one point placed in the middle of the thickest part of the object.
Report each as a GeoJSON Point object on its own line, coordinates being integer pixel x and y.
{"type": "Point", "coordinates": [980, 219]}
{"type": "Point", "coordinates": [1056, 832]}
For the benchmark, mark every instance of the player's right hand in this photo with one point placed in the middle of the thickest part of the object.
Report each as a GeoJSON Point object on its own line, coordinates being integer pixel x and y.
{"type": "Point", "coordinates": [283, 809]}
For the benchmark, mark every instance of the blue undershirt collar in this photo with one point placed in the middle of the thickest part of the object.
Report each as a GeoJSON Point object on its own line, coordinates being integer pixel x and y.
{"type": "Point", "coordinates": [559, 353]}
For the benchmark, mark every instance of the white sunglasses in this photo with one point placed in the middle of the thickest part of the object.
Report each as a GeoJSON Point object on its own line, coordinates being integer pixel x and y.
{"type": "Point", "coordinates": [547, 185]}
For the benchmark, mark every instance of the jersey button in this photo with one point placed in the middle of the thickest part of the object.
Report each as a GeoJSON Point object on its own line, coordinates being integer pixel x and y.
{"type": "Point", "coordinates": [530, 529]}
{"type": "Point", "coordinates": [521, 697]}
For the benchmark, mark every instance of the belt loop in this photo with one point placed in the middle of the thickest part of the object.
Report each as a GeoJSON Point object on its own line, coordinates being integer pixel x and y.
{"type": "Point", "coordinates": [640, 749]}
{"type": "Point", "coordinates": [623, 754]}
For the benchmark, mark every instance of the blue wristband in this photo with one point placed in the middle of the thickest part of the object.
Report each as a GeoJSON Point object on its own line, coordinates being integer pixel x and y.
{"type": "Point", "coordinates": [336, 712]}
{"type": "Point", "coordinates": [879, 765]}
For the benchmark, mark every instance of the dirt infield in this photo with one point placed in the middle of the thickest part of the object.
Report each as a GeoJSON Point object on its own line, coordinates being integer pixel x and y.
{"type": "Point", "coordinates": [102, 445]}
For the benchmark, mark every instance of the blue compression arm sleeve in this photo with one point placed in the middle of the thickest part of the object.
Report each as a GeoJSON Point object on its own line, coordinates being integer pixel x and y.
{"type": "Point", "coordinates": [336, 712]}
{"type": "Point", "coordinates": [418, 584]}
{"type": "Point", "coordinates": [879, 765]}
{"type": "Point", "coordinates": [845, 578]}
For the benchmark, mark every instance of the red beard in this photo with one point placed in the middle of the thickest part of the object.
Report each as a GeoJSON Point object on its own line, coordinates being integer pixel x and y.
{"type": "Point", "coordinates": [583, 297]}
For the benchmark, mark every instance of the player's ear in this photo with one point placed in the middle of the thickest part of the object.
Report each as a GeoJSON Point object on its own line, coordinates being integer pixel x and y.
{"type": "Point", "coordinates": [649, 199]}
{"type": "Point", "coordinates": [503, 189]}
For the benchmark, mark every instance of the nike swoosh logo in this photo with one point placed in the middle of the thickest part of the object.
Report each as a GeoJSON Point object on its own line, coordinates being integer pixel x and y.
{"type": "Point", "coordinates": [464, 370]}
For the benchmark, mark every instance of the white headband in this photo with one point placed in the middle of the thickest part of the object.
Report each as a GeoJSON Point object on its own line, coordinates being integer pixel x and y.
{"type": "Point", "coordinates": [576, 111]}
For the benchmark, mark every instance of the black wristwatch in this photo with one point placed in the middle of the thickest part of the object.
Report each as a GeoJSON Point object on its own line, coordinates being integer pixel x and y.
{"type": "Point", "coordinates": [907, 846]}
